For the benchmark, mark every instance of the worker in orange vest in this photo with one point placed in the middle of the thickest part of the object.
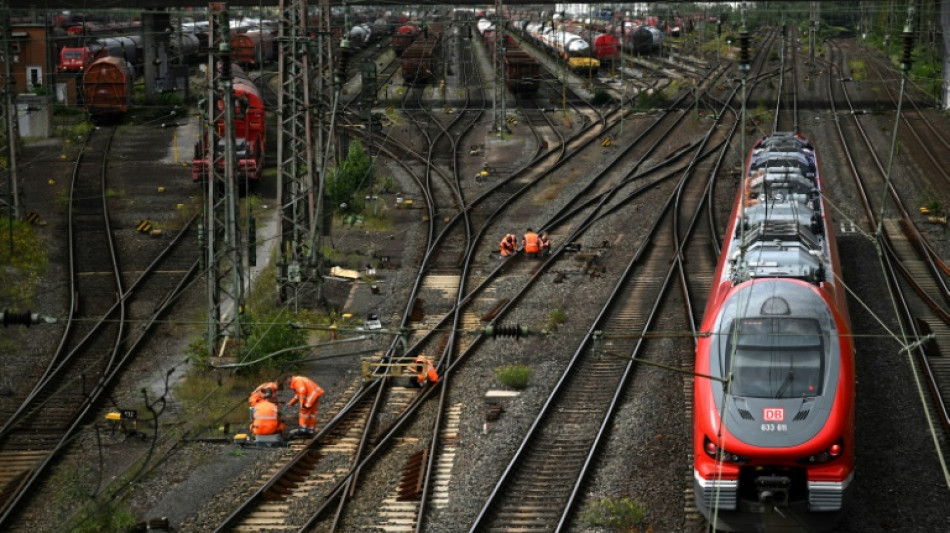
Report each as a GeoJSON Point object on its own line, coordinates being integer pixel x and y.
{"type": "Point", "coordinates": [425, 373]}
{"type": "Point", "coordinates": [264, 391]}
{"type": "Point", "coordinates": [508, 244]}
{"type": "Point", "coordinates": [544, 244]}
{"type": "Point", "coordinates": [307, 394]}
{"type": "Point", "coordinates": [531, 243]}
{"type": "Point", "coordinates": [266, 419]}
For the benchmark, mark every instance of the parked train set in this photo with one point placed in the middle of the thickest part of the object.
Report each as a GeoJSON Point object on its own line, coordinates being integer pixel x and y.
{"type": "Point", "coordinates": [250, 132]}
{"type": "Point", "coordinates": [774, 396]}
{"type": "Point", "coordinates": [522, 70]}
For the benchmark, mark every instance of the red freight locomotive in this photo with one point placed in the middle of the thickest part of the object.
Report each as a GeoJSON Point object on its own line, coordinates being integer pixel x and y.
{"type": "Point", "coordinates": [773, 432]}
{"type": "Point", "coordinates": [249, 132]}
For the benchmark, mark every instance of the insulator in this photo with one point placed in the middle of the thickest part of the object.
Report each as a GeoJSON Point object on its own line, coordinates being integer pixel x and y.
{"type": "Point", "coordinates": [907, 58]}
{"type": "Point", "coordinates": [202, 263]}
{"type": "Point", "coordinates": [744, 48]}
{"type": "Point", "coordinates": [342, 62]}
{"type": "Point", "coordinates": [17, 319]}
{"type": "Point", "coordinates": [516, 331]}
{"type": "Point", "coordinates": [252, 242]}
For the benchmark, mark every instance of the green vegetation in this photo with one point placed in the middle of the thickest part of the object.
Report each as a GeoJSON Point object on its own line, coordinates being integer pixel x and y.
{"type": "Point", "coordinates": [271, 339]}
{"type": "Point", "coordinates": [109, 518]}
{"type": "Point", "coordinates": [932, 204]}
{"type": "Point", "coordinates": [515, 376]}
{"type": "Point", "coordinates": [347, 183]}
{"type": "Point", "coordinates": [858, 68]}
{"type": "Point", "coordinates": [556, 317]}
{"type": "Point", "coordinates": [623, 514]}
{"type": "Point", "coordinates": [20, 272]}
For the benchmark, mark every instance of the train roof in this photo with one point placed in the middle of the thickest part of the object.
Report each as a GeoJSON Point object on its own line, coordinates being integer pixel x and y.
{"type": "Point", "coordinates": [782, 230]}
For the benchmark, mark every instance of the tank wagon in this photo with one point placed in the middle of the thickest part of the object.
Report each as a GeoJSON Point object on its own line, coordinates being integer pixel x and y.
{"type": "Point", "coordinates": [562, 44]}
{"type": "Point", "coordinates": [774, 393]}
{"type": "Point", "coordinates": [253, 48]}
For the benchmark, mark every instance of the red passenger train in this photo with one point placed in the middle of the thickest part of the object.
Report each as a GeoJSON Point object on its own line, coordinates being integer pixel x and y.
{"type": "Point", "coordinates": [773, 433]}
{"type": "Point", "coordinates": [249, 132]}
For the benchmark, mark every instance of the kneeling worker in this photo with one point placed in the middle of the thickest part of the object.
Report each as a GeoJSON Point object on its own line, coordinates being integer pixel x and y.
{"type": "Point", "coordinates": [531, 244]}
{"type": "Point", "coordinates": [264, 391]}
{"type": "Point", "coordinates": [507, 245]}
{"type": "Point", "coordinates": [425, 373]}
{"type": "Point", "coordinates": [266, 420]}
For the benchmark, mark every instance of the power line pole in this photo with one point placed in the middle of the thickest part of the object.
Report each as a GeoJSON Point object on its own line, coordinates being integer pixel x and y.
{"type": "Point", "coordinates": [222, 232]}
{"type": "Point", "coordinates": [8, 129]}
{"type": "Point", "coordinates": [299, 188]}
{"type": "Point", "coordinates": [499, 126]}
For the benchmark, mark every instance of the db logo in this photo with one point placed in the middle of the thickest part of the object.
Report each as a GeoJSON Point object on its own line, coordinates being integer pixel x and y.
{"type": "Point", "coordinates": [773, 414]}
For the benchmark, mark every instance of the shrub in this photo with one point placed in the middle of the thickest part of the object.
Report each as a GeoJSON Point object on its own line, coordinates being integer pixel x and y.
{"type": "Point", "coordinates": [513, 376]}
{"type": "Point", "coordinates": [556, 317]}
{"type": "Point", "coordinates": [272, 332]}
{"type": "Point", "coordinates": [624, 514]}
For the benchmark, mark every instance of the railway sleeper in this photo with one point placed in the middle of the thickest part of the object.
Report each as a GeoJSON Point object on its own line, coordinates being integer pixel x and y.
{"type": "Point", "coordinates": [410, 483]}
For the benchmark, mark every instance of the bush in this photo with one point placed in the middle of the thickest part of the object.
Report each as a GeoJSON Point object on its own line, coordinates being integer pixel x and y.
{"type": "Point", "coordinates": [624, 514]}
{"type": "Point", "coordinates": [272, 332]}
{"type": "Point", "coordinates": [513, 376]}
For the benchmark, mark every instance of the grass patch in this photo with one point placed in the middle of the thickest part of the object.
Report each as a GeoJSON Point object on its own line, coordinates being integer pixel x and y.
{"type": "Point", "coordinates": [858, 68]}
{"type": "Point", "coordinates": [556, 317]}
{"type": "Point", "coordinates": [21, 270]}
{"type": "Point", "coordinates": [617, 514]}
{"type": "Point", "coordinates": [111, 517]}
{"type": "Point", "coordinates": [514, 376]}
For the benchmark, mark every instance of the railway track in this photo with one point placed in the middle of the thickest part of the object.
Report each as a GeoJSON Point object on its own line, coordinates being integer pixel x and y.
{"type": "Point", "coordinates": [98, 339]}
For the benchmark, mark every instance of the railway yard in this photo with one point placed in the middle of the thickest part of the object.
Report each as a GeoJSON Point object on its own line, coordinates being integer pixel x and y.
{"type": "Point", "coordinates": [636, 192]}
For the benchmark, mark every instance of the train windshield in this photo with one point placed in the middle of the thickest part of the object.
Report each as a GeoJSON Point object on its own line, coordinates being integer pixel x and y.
{"type": "Point", "coordinates": [775, 357]}
{"type": "Point", "coordinates": [72, 54]}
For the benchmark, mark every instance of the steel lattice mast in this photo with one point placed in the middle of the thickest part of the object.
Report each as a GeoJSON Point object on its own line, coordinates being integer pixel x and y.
{"type": "Point", "coordinates": [10, 198]}
{"type": "Point", "coordinates": [222, 232]}
{"type": "Point", "coordinates": [299, 188]}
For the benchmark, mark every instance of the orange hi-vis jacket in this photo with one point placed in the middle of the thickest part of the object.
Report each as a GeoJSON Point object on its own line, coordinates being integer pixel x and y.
{"type": "Point", "coordinates": [258, 394]}
{"type": "Point", "coordinates": [266, 419]}
{"type": "Point", "coordinates": [507, 245]}
{"type": "Point", "coordinates": [531, 243]}
{"type": "Point", "coordinates": [428, 374]}
{"type": "Point", "coordinates": [307, 391]}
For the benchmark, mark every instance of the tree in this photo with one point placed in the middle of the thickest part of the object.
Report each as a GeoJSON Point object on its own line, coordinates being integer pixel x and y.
{"type": "Point", "coordinates": [349, 178]}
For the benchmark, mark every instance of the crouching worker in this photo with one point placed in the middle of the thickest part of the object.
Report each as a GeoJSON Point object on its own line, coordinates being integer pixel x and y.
{"type": "Point", "coordinates": [425, 373]}
{"type": "Point", "coordinates": [264, 391]}
{"type": "Point", "coordinates": [267, 427]}
{"type": "Point", "coordinates": [507, 245]}
{"type": "Point", "coordinates": [307, 394]}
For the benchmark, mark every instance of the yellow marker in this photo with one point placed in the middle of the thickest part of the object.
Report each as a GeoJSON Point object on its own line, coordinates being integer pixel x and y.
{"type": "Point", "coordinates": [115, 417]}
{"type": "Point", "coordinates": [181, 206]}
{"type": "Point", "coordinates": [52, 182]}
{"type": "Point", "coordinates": [161, 189]}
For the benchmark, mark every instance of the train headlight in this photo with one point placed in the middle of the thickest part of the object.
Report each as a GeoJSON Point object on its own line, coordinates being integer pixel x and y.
{"type": "Point", "coordinates": [833, 452]}
{"type": "Point", "coordinates": [713, 451]}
